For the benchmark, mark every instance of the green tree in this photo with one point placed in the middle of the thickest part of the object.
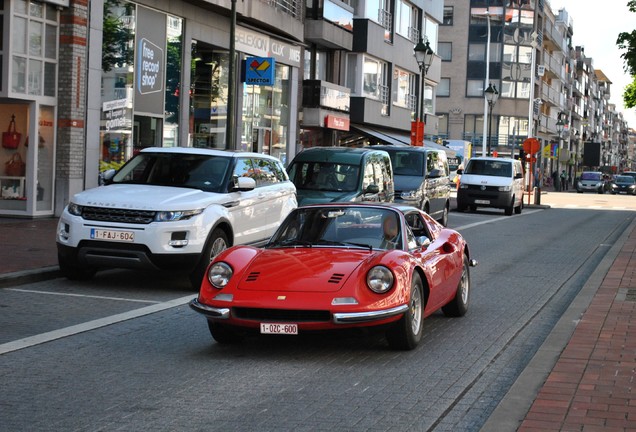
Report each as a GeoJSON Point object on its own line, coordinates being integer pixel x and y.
{"type": "Point", "coordinates": [117, 50]}
{"type": "Point", "coordinates": [627, 41]}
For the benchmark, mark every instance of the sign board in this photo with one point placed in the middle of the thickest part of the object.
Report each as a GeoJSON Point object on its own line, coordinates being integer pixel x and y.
{"type": "Point", "coordinates": [540, 70]}
{"type": "Point", "coordinates": [340, 123]}
{"type": "Point", "coordinates": [259, 71]}
{"type": "Point", "coordinates": [531, 145]}
{"type": "Point", "coordinates": [150, 61]}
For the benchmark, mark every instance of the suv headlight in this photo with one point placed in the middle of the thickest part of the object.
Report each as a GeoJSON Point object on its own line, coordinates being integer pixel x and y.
{"type": "Point", "coordinates": [380, 279]}
{"type": "Point", "coordinates": [171, 216]}
{"type": "Point", "coordinates": [505, 188]}
{"type": "Point", "coordinates": [74, 209]}
{"type": "Point", "coordinates": [463, 186]}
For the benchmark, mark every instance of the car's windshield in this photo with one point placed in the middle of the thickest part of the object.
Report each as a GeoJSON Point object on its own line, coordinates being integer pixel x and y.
{"type": "Point", "coordinates": [325, 176]}
{"type": "Point", "coordinates": [407, 163]}
{"type": "Point", "coordinates": [590, 176]}
{"type": "Point", "coordinates": [340, 227]}
{"type": "Point", "coordinates": [624, 179]}
{"type": "Point", "coordinates": [175, 169]}
{"type": "Point", "coordinates": [489, 168]}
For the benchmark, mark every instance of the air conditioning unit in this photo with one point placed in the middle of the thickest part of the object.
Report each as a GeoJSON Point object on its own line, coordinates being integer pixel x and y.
{"type": "Point", "coordinates": [540, 70]}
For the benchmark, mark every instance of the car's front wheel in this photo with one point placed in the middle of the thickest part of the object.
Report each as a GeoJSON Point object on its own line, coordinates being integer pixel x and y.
{"type": "Point", "coordinates": [224, 334]}
{"type": "Point", "coordinates": [459, 305]}
{"type": "Point", "coordinates": [73, 270]}
{"type": "Point", "coordinates": [407, 332]}
{"type": "Point", "coordinates": [217, 243]}
{"type": "Point", "coordinates": [444, 219]}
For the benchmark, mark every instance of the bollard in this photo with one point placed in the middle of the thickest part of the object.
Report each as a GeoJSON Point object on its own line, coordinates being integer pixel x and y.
{"type": "Point", "coordinates": [537, 195]}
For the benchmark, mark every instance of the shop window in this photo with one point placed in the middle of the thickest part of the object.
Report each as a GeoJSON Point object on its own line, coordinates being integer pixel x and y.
{"type": "Point", "coordinates": [34, 38]}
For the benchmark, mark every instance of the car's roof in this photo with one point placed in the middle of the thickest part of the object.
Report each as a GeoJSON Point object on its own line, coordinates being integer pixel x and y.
{"type": "Point", "coordinates": [403, 208]}
{"type": "Point", "coordinates": [491, 158]}
{"type": "Point", "coordinates": [406, 148]}
{"type": "Point", "coordinates": [335, 154]}
{"type": "Point", "coordinates": [204, 151]}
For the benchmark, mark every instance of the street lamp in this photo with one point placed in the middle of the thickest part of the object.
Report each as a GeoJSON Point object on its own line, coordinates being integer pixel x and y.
{"type": "Point", "coordinates": [559, 126]}
{"type": "Point", "coordinates": [424, 56]}
{"type": "Point", "coordinates": [491, 95]}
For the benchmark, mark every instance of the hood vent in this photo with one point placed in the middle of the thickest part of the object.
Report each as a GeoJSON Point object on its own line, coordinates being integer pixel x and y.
{"type": "Point", "coordinates": [252, 277]}
{"type": "Point", "coordinates": [336, 278]}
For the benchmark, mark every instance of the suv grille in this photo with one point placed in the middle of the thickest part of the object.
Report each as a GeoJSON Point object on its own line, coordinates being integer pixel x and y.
{"type": "Point", "coordinates": [117, 215]}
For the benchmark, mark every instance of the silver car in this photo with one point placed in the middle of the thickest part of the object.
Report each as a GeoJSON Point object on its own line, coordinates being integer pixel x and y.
{"type": "Point", "coordinates": [591, 181]}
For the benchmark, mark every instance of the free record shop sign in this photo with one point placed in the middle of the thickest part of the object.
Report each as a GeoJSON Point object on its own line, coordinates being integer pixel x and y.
{"type": "Point", "coordinates": [259, 70]}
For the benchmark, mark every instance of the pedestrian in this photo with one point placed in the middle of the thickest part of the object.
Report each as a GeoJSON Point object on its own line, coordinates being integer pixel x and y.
{"type": "Point", "coordinates": [564, 180]}
{"type": "Point", "coordinates": [555, 180]}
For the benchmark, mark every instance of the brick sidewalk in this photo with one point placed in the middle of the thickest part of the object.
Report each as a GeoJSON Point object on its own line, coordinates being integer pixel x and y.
{"type": "Point", "coordinates": [592, 387]}
{"type": "Point", "coordinates": [27, 244]}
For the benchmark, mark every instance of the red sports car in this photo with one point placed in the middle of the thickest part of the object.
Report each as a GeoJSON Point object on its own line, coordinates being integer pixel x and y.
{"type": "Point", "coordinates": [333, 266]}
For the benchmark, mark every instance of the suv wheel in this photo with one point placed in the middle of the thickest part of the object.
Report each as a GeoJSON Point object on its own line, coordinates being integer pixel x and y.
{"type": "Point", "coordinates": [217, 243]}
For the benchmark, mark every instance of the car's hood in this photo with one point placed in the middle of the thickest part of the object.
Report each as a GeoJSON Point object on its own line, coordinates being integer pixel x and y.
{"type": "Point", "coordinates": [316, 269]}
{"type": "Point", "coordinates": [306, 197]}
{"type": "Point", "coordinates": [147, 197]}
{"type": "Point", "coordinates": [407, 183]}
{"type": "Point", "coordinates": [481, 180]}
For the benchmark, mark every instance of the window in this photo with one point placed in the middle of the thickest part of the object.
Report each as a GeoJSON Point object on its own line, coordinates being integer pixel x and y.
{"type": "Point", "coordinates": [406, 20]}
{"type": "Point", "coordinates": [477, 52]}
{"type": "Point", "coordinates": [443, 88]}
{"type": "Point", "coordinates": [475, 88]}
{"type": "Point", "coordinates": [404, 89]}
{"type": "Point", "coordinates": [445, 51]}
{"type": "Point", "coordinates": [448, 16]}
{"type": "Point", "coordinates": [34, 45]}
{"type": "Point", "coordinates": [374, 78]}
{"type": "Point", "coordinates": [321, 65]}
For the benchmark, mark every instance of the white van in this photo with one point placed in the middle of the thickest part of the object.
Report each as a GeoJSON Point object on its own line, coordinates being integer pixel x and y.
{"type": "Point", "coordinates": [491, 182]}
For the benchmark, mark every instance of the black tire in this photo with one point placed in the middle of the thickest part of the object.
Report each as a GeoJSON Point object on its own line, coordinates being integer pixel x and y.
{"type": "Point", "coordinates": [217, 242]}
{"type": "Point", "coordinates": [459, 305]}
{"type": "Point", "coordinates": [224, 334]}
{"type": "Point", "coordinates": [407, 332]}
{"type": "Point", "coordinates": [73, 270]}
{"type": "Point", "coordinates": [461, 207]}
{"type": "Point", "coordinates": [473, 208]}
{"type": "Point", "coordinates": [508, 210]}
{"type": "Point", "coordinates": [519, 208]}
{"type": "Point", "coordinates": [444, 219]}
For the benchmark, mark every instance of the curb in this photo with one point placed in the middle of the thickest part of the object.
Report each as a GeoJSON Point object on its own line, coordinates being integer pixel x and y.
{"type": "Point", "coordinates": [29, 276]}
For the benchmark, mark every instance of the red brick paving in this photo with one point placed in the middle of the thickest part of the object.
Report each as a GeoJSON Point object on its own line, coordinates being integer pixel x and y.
{"type": "Point", "coordinates": [27, 244]}
{"type": "Point", "coordinates": [592, 386]}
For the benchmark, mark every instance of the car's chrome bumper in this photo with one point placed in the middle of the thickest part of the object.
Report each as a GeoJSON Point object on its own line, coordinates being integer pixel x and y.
{"type": "Point", "coordinates": [360, 317]}
{"type": "Point", "coordinates": [209, 311]}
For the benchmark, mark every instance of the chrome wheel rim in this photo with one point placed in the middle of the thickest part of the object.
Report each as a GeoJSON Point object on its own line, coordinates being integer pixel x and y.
{"type": "Point", "coordinates": [415, 310]}
{"type": "Point", "coordinates": [218, 246]}
{"type": "Point", "coordinates": [464, 286]}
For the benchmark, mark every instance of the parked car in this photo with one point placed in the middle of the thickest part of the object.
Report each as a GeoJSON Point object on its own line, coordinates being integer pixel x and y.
{"type": "Point", "coordinates": [630, 173]}
{"type": "Point", "coordinates": [624, 184]}
{"type": "Point", "coordinates": [336, 266]}
{"type": "Point", "coordinates": [422, 179]}
{"type": "Point", "coordinates": [342, 174]}
{"type": "Point", "coordinates": [491, 182]}
{"type": "Point", "coordinates": [174, 208]}
{"type": "Point", "coordinates": [591, 181]}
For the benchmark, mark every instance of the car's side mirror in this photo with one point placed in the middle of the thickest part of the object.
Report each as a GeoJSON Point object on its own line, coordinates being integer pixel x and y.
{"type": "Point", "coordinates": [372, 189]}
{"type": "Point", "coordinates": [460, 171]}
{"type": "Point", "coordinates": [518, 175]}
{"type": "Point", "coordinates": [106, 177]}
{"type": "Point", "coordinates": [244, 184]}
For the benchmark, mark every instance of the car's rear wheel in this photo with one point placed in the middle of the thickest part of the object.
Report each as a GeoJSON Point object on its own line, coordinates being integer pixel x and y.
{"type": "Point", "coordinates": [217, 243]}
{"type": "Point", "coordinates": [444, 219]}
{"type": "Point", "coordinates": [73, 270]}
{"type": "Point", "coordinates": [459, 305]}
{"type": "Point", "coordinates": [224, 334]}
{"type": "Point", "coordinates": [407, 332]}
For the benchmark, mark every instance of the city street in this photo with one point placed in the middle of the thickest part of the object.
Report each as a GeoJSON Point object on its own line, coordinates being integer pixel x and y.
{"type": "Point", "coordinates": [125, 352]}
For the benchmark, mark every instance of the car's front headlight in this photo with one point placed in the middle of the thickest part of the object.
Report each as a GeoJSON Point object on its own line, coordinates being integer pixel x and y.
{"type": "Point", "coordinates": [171, 216]}
{"type": "Point", "coordinates": [505, 188]}
{"type": "Point", "coordinates": [599, 184]}
{"type": "Point", "coordinates": [413, 195]}
{"type": "Point", "coordinates": [74, 209]}
{"type": "Point", "coordinates": [219, 274]}
{"type": "Point", "coordinates": [463, 186]}
{"type": "Point", "coordinates": [380, 279]}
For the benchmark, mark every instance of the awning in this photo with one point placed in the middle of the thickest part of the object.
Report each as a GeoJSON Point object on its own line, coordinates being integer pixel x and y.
{"type": "Point", "coordinates": [396, 138]}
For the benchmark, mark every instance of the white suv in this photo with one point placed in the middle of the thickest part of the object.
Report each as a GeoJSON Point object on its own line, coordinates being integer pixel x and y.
{"type": "Point", "coordinates": [174, 208]}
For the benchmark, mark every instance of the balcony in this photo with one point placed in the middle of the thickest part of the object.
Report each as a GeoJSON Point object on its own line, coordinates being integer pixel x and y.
{"type": "Point", "coordinates": [323, 94]}
{"type": "Point", "coordinates": [329, 24]}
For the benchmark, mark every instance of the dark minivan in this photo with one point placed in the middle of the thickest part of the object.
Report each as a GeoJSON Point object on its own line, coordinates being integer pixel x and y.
{"type": "Point", "coordinates": [422, 179]}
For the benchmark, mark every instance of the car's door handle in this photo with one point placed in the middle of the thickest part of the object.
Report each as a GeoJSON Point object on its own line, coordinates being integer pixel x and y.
{"type": "Point", "coordinates": [230, 204]}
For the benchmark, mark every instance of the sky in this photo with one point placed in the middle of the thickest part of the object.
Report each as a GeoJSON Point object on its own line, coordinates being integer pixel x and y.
{"type": "Point", "coordinates": [596, 26]}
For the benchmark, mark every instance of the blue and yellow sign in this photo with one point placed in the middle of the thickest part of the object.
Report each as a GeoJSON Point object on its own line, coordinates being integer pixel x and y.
{"type": "Point", "coordinates": [259, 70]}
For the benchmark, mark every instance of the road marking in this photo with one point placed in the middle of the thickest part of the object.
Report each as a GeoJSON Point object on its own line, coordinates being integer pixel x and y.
{"type": "Point", "coordinates": [81, 295]}
{"type": "Point", "coordinates": [484, 222]}
{"type": "Point", "coordinates": [90, 325]}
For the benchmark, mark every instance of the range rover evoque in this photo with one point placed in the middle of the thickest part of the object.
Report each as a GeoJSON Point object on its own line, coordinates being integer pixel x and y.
{"type": "Point", "coordinates": [174, 209]}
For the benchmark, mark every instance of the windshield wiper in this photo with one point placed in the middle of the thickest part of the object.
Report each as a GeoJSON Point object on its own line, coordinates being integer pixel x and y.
{"type": "Point", "coordinates": [345, 243]}
{"type": "Point", "coordinates": [290, 242]}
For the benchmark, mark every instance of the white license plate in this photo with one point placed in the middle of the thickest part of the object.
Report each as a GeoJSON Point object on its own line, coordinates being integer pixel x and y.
{"type": "Point", "coordinates": [112, 235]}
{"type": "Point", "coordinates": [482, 202]}
{"type": "Point", "coordinates": [275, 328]}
